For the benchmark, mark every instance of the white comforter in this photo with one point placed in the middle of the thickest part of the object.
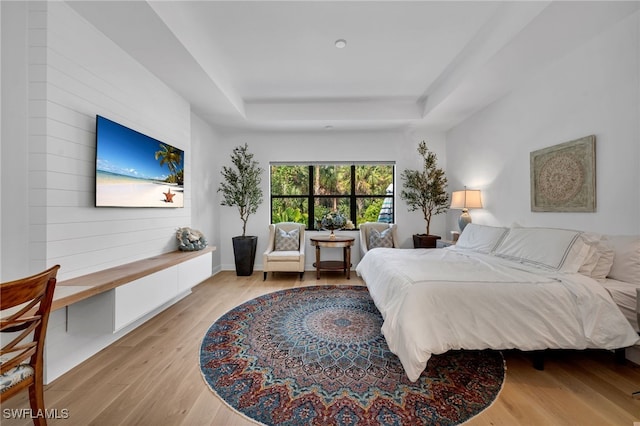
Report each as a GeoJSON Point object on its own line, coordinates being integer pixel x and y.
{"type": "Point", "coordinates": [436, 300]}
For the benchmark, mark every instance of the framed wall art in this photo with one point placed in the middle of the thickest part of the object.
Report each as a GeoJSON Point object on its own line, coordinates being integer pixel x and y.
{"type": "Point", "coordinates": [563, 177]}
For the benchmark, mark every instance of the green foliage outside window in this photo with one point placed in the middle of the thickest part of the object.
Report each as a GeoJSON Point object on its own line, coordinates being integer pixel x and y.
{"type": "Point", "coordinates": [283, 213]}
{"type": "Point", "coordinates": [289, 180]}
{"type": "Point", "coordinates": [304, 193]}
{"type": "Point", "coordinates": [372, 212]}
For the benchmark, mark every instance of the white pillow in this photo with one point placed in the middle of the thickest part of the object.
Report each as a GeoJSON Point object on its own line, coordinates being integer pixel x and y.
{"type": "Point", "coordinates": [590, 262]}
{"type": "Point", "coordinates": [380, 239]}
{"type": "Point", "coordinates": [549, 248]}
{"type": "Point", "coordinates": [596, 261]}
{"type": "Point", "coordinates": [287, 241]}
{"type": "Point", "coordinates": [599, 260]}
{"type": "Point", "coordinates": [626, 260]}
{"type": "Point", "coordinates": [480, 238]}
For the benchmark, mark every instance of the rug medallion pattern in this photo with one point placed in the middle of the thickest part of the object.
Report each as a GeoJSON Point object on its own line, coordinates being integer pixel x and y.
{"type": "Point", "coordinates": [316, 356]}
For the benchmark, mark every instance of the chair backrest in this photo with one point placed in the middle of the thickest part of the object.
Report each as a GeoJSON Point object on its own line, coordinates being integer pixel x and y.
{"type": "Point", "coordinates": [287, 227]}
{"type": "Point", "coordinates": [26, 304]}
{"type": "Point", "coordinates": [365, 230]}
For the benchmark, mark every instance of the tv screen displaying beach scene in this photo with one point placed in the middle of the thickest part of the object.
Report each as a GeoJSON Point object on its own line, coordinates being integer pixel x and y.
{"type": "Point", "coordinates": [135, 170]}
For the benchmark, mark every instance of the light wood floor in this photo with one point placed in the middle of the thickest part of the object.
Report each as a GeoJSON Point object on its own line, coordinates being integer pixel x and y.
{"type": "Point", "coordinates": [152, 376]}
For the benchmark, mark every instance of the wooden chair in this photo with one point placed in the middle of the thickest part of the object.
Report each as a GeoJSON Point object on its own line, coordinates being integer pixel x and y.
{"type": "Point", "coordinates": [25, 306]}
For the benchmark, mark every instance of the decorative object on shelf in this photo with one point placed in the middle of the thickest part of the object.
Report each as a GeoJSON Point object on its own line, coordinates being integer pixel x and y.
{"type": "Point", "coordinates": [190, 239]}
{"type": "Point", "coordinates": [425, 190]}
{"type": "Point", "coordinates": [563, 177]}
{"type": "Point", "coordinates": [465, 200]}
{"type": "Point", "coordinates": [240, 187]}
{"type": "Point", "coordinates": [332, 221]}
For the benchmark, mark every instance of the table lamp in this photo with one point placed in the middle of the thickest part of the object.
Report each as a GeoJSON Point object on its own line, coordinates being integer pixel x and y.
{"type": "Point", "coordinates": [465, 200]}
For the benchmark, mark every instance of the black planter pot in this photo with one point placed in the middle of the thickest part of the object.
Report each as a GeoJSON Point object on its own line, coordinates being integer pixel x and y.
{"type": "Point", "coordinates": [425, 241]}
{"type": "Point", "coordinates": [244, 251]}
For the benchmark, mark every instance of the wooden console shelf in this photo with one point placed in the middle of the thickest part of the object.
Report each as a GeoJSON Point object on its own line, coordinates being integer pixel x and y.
{"type": "Point", "coordinates": [94, 310]}
{"type": "Point", "coordinates": [79, 288]}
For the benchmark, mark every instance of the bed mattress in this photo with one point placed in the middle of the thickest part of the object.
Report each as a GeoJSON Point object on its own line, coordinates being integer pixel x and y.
{"type": "Point", "coordinates": [433, 301]}
{"type": "Point", "coordinates": [624, 295]}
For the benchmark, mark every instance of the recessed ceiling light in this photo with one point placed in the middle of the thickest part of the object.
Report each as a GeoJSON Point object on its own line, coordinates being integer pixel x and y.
{"type": "Point", "coordinates": [341, 43]}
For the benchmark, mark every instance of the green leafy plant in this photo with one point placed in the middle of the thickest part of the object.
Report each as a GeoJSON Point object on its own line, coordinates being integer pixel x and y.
{"type": "Point", "coordinates": [290, 214]}
{"type": "Point", "coordinates": [240, 186]}
{"type": "Point", "coordinates": [172, 158]}
{"type": "Point", "coordinates": [425, 189]}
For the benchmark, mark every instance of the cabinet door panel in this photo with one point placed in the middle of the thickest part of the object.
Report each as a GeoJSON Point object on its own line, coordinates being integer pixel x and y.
{"type": "Point", "coordinates": [194, 271]}
{"type": "Point", "coordinates": [141, 296]}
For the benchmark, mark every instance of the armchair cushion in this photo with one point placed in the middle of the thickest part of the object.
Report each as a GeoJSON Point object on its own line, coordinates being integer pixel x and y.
{"type": "Point", "coordinates": [380, 239]}
{"type": "Point", "coordinates": [287, 241]}
{"type": "Point", "coordinates": [283, 256]}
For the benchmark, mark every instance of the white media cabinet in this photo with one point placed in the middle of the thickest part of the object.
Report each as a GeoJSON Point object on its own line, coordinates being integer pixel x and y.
{"type": "Point", "coordinates": [92, 311]}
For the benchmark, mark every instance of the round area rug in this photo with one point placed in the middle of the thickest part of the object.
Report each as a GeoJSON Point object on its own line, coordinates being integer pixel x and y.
{"type": "Point", "coordinates": [316, 356]}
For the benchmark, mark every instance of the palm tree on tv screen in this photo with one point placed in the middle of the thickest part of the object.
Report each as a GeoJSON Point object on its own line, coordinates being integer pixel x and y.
{"type": "Point", "coordinates": [172, 158]}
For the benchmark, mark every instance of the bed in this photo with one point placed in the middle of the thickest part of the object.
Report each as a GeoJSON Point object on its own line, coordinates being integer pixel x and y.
{"type": "Point", "coordinates": [502, 288]}
{"type": "Point", "coordinates": [625, 295]}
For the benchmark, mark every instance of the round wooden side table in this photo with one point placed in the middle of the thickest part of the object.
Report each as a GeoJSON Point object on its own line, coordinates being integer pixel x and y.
{"type": "Point", "coordinates": [336, 241]}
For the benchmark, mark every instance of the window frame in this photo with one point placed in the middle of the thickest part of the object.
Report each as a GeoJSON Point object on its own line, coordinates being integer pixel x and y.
{"type": "Point", "coordinates": [352, 196]}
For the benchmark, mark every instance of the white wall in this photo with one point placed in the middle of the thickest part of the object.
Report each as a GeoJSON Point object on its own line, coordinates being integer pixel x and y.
{"type": "Point", "coordinates": [75, 72]}
{"type": "Point", "coordinates": [205, 142]}
{"type": "Point", "coordinates": [323, 146]}
{"type": "Point", "coordinates": [14, 140]}
{"type": "Point", "coordinates": [593, 90]}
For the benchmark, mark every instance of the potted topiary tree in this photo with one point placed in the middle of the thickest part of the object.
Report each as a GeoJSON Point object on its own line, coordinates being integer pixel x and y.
{"type": "Point", "coordinates": [425, 190]}
{"type": "Point", "coordinates": [240, 188]}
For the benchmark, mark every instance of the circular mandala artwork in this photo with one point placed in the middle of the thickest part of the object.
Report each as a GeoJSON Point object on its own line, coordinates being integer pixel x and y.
{"type": "Point", "coordinates": [316, 356]}
{"type": "Point", "coordinates": [561, 178]}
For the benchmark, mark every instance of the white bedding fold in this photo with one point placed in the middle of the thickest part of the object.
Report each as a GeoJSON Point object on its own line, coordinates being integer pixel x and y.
{"type": "Point", "coordinates": [436, 300]}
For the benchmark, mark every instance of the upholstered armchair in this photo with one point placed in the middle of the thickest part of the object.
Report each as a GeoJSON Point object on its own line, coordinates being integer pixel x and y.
{"type": "Point", "coordinates": [285, 249]}
{"type": "Point", "coordinates": [377, 234]}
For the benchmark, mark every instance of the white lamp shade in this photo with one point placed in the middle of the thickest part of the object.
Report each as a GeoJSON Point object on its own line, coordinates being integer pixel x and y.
{"type": "Point", "coordinates": [466, 199]}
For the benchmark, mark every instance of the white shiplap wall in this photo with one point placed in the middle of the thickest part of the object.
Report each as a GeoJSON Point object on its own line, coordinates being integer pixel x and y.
{"type": "Point", "coordinates": [75, 73]}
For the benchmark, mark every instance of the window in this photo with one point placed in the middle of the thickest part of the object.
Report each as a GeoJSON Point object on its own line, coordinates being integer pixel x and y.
{"type": "Point", "coordinates": [305, 192]}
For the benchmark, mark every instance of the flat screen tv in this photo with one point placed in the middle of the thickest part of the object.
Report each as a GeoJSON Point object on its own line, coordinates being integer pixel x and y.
{"type": "Point", "coordinates": [135, 170]}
